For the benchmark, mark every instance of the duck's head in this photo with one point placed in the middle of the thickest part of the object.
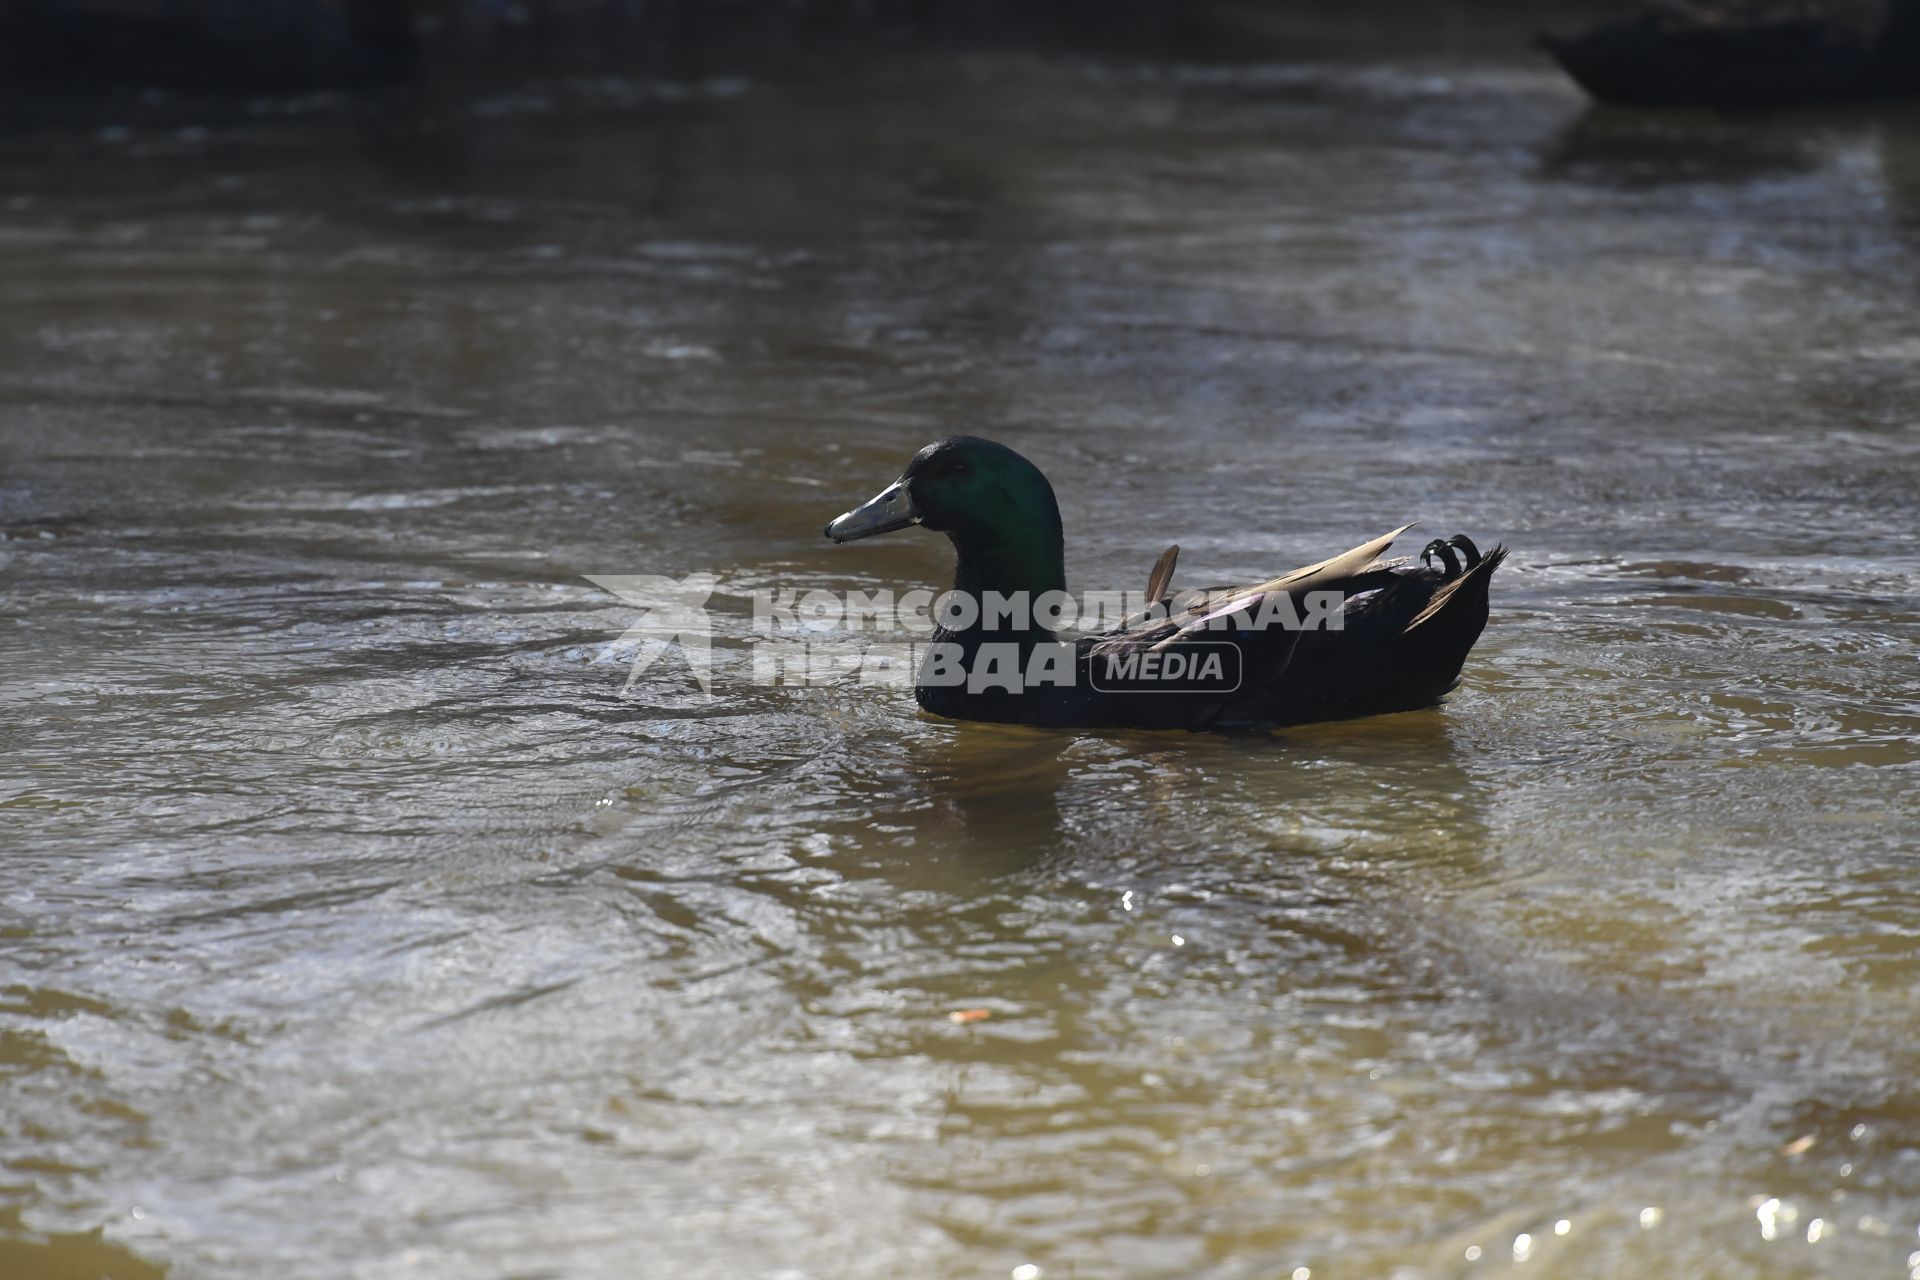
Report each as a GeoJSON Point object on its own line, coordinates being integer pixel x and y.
{"type": "Point", "coordinates": [994, 504]}
{"type": "Point", "coordinates": [960, 485]}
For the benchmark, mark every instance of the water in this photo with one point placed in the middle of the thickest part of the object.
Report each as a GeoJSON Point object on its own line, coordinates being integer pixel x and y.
{"type": "Point", "coordinates": [358, 923]}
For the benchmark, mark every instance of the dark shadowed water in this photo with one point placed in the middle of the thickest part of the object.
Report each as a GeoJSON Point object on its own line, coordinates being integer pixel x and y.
{"type": "Point", "coordinates": [356, 921]}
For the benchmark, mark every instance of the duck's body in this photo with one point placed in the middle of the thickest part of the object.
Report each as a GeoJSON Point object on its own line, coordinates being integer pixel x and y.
{"type": "Point", "coordinates": [1742, 58]}
{"type": "Point", "coordinates": [1399, 631]}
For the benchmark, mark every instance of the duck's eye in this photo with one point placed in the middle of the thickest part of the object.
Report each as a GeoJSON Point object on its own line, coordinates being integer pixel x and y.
{"type": "Point", "coordinates": [959, 469]}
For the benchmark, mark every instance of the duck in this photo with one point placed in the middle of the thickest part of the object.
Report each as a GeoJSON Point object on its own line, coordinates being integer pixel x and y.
{"type": "Point", "coordinates": [1353, 635]}
{"type": "Point", "coordinates": [1744, 56]}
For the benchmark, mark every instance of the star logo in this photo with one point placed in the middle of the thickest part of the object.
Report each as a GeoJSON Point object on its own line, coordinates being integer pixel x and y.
{"type": "Point", "coordinates": [675, 614]}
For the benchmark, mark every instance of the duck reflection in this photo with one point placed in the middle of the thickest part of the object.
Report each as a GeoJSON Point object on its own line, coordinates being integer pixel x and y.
{"type": "Point", "coordinates": [971, 803]}
{"type": "Point", "coordinates": [1396, 790]}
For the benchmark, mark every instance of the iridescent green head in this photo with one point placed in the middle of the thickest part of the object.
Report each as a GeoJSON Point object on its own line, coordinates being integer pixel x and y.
{"type": "Point", "coordinates": [994, 505]}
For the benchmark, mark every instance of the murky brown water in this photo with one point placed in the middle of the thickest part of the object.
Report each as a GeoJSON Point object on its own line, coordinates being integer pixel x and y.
{"type": "Point", "coordinates": [357, 923]}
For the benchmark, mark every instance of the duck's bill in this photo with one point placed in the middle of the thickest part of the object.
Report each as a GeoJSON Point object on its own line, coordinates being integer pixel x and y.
{"type": "Point", "coordinates": [892, 508]}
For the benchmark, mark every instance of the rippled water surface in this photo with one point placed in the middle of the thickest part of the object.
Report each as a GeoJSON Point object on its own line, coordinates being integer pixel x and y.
{"type": "Point", "coordinates": [356, 921]}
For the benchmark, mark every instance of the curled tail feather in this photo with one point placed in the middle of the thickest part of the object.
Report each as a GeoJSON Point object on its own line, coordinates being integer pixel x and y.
{"type": "Point", "coordinates": [1474, 578]}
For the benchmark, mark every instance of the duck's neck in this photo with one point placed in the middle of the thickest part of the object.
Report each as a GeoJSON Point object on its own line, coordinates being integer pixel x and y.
{"type": "Point", "coordinates": [1008, 571]}
{"type": "Point", "coordinates": [1028, 559]}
